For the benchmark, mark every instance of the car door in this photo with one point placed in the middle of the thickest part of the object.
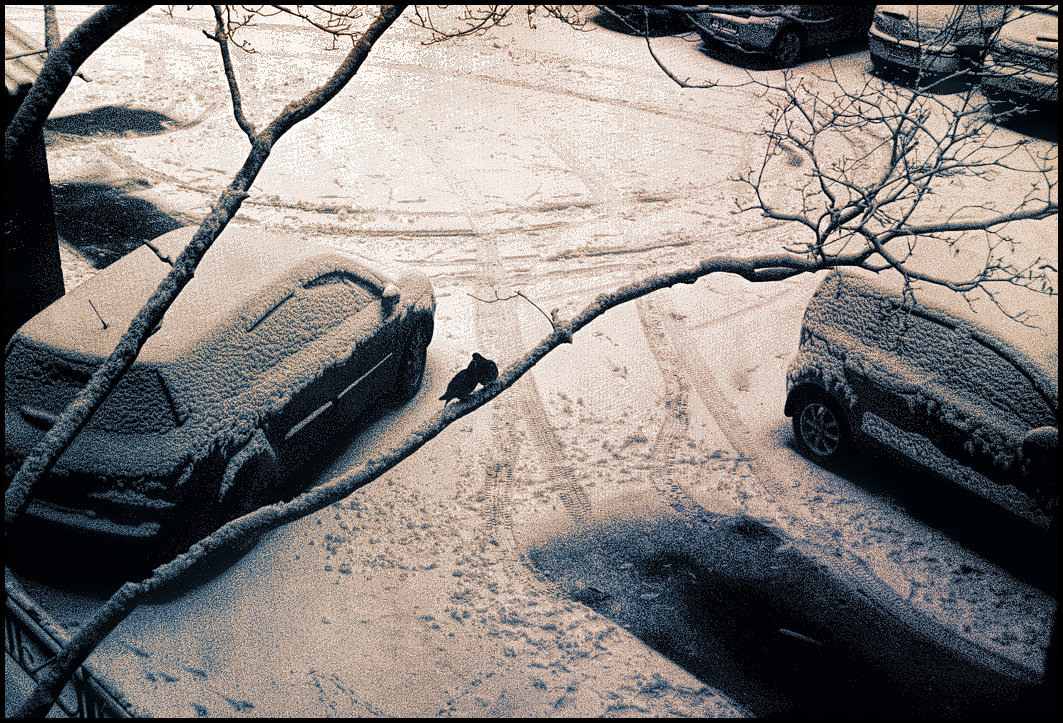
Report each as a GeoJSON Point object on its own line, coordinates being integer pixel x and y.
{"type": "Point", "coordinates": [291, 338]}
{"type": "Point", "coordinates": [367, 376]}
{"type": "Point", "coordinates": [874, 341]}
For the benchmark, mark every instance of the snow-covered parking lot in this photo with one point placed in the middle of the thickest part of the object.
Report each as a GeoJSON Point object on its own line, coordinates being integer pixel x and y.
{"type": "Point", "coordinates": [627, 530]}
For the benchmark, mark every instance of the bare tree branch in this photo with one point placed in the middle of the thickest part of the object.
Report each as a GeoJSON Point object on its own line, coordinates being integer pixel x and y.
{"type": "Point", "coordinates": [221, 37]}
{"type": "Point", "coordinates": [478, 19]}
{"type": "Point", "coordinates": [58, 438]}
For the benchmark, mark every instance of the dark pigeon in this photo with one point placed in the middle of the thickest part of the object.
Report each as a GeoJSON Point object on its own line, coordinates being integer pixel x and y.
{"type": "Point", "coordinates": [480, 371]}
{"type": "Point", "coordinates": [486, 370]}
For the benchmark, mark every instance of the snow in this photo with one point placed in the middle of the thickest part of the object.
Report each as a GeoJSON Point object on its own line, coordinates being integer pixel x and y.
{"type": "Point", "coordinates": [557, 164]}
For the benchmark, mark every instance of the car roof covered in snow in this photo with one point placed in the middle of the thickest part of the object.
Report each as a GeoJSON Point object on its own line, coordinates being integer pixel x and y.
{"type": "Point", "coordinates": [244, 269]}
{"type": "Point", "coordinates": [1033, 344]}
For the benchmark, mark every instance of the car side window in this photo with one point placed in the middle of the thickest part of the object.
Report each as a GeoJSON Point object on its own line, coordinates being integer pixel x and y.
{"type": "Point", "coordinates": [971, 368]}
{"type": "Point", "coordinates": [992, 377]}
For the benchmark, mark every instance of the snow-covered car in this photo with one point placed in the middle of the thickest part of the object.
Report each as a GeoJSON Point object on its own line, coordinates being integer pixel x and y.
{"type": "Point", "coordinates": [274, 345]}
{"type": "Point", "coordinates": [783, 32]}
{"type": "Point", "coordinates": [934, 40]}
{"type": "Point", "coordinates": [1022, 65]}
{"type": "Point", "coordinates": [973, 396]}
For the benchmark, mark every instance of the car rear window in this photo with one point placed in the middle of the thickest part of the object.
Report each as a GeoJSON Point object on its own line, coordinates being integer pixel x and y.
{"type": "Point", "coordinates": [981, 373]}
{"type": "Point", "coordinates": [42, 383]}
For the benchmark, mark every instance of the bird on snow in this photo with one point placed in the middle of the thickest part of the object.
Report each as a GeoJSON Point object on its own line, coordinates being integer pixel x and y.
{"type": "Point", "coordinates": [480, 371]}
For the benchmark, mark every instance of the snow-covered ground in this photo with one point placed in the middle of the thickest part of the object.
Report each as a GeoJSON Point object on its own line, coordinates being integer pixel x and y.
{"type": "Point", "coordinates": [475, 578]}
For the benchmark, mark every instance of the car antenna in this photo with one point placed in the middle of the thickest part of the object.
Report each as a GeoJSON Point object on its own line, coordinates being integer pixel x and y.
{"type": "Point", "coordinates": [98, 314]}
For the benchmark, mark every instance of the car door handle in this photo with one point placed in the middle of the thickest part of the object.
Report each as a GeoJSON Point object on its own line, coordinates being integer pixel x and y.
{"type": "Point", "coordinates": [38, 417]}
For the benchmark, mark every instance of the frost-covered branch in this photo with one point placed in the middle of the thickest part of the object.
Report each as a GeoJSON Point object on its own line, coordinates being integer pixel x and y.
{"type": "Point", "coordinates": [877, 162]}
{"type": "Point", "coordinates": [877, 165]}
{"type": "Point", "coordinates": [221, 36]}
{"type": "Point", "coordinates": [255, 524]}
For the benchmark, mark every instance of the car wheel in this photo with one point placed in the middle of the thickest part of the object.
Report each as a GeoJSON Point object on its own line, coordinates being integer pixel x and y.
{"type": "Point", "coordinates": [821, 428]}
{"type": "Point", "coordinates": [787, 49]}
{"type": "Point", "coordinates": [882, 67]}
{"type": "Point", "coordinates": [412, 365]}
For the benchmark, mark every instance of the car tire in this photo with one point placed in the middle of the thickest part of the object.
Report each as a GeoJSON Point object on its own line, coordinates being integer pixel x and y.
{"type": "Point", "coordinates": [821, 427]}
{"type": "Point", "coordinates": [882, 68]}
{"type": "Point", "coordinates": [412, 365]}
{"type": "Point", "coordinates": [788, 48]}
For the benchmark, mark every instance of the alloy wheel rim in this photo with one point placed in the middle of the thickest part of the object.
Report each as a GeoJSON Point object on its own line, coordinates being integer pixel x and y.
{"type": "Point", "coordinates": [820, 429]}
{"type": "Point", "coordinates": [415, 362]}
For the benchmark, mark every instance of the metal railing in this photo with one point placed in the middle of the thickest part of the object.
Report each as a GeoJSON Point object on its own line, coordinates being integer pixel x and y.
{"type": "Point", "coordinates": [32, 639]}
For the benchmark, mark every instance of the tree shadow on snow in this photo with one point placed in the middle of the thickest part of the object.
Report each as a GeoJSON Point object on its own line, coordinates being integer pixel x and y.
{"type": "Point", "coordinates": [731, 602]}
{"type": "Point", "coordinates": [110, 121]}
{"type": "Point", "coordinates": [104, 222]}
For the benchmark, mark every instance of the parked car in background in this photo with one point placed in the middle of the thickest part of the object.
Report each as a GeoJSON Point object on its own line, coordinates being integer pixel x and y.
{"type": "Point", "coordinates": [275, 344]}
{"type": "Point", "coordinates": [932, 40]}
{"type": "Point", "coordinates": [654, 19]}
{"type": "Point", "coordinates": [973, 396]}
{"type": "Point", "coordinates": [1022, 66]}
{"type": "Point", "coordinates": [783, 32]}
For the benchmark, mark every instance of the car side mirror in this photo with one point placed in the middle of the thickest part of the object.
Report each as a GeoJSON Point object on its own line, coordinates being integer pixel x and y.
{"type": "Point", "coordinates": [389, 299]}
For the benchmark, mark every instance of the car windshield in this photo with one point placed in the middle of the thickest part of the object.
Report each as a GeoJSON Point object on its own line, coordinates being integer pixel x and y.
{"type": "Point", "coordinates": [42, 383]}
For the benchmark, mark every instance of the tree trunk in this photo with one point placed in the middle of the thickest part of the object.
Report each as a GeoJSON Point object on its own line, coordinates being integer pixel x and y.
{"type": "Point", "coordinates": [33, 274]}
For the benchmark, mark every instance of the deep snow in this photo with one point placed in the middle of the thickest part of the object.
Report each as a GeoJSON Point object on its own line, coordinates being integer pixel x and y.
{"type": "Point", "coordinates": [562, 165]}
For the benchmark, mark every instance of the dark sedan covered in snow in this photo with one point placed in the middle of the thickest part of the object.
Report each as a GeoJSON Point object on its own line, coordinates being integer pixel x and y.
{"type": "Point", "coordinates": [274, 344]}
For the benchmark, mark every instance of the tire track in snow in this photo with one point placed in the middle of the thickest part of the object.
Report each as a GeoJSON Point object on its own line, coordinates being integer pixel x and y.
{"type": "Point", "coordinates": [498, 334]}
{"type": "Point", "coordinates": [676, 425]}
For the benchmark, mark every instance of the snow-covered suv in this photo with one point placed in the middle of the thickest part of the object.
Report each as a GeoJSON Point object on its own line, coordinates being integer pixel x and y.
{"type": "Point", "coordinates": [275, 344]}
{"type": "Point", "coordinates": [973, 396]}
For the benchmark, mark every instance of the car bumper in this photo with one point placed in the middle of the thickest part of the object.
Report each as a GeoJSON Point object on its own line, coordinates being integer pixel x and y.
{"type": "Point", "coordinates": [748, 35]}
{"type": "Point", "coordinates": [1010, 80]}
{"type": "Point", "coordinates": [89, 522]}
{"type": "Point", "coordinates": [82, 504]}
{"type": "Point", "coordinates": [911, 54]}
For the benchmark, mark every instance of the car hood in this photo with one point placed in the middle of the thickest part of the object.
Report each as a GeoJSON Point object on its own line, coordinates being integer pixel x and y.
{"type": "Point", "coordinates": [1034, 31]}
{"type": "Point", "coordinates": [929, 21]}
